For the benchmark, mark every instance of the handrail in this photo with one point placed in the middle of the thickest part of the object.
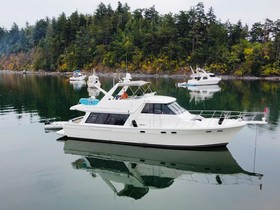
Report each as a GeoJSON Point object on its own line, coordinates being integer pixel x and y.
{"type": "Point", "coordinates": [253, 117]}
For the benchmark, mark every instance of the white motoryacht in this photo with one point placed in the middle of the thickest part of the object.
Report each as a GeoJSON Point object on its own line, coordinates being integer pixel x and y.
{"type": "Point", "coordinates": [201, 77]}
{"type": "Point", "coordinates": [144, 118]}
{"type": "Point", "coordinates": [77, 76]}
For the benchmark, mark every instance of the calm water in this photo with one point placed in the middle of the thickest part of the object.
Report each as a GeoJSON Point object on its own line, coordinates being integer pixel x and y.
{"type": "Point", "coordinates": [39, 172]}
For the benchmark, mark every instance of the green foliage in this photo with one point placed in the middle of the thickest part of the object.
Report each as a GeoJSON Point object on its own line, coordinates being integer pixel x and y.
{"type": "Point", "coordinates": [144, 41]}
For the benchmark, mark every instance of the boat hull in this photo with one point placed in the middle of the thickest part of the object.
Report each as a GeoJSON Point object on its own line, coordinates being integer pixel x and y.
{"type": "Point", "coordinates": [175, 138]}
{"type": "Point", "coordinates": [77, 78]}
{"type": "Point", "coordinates": [206, 82]}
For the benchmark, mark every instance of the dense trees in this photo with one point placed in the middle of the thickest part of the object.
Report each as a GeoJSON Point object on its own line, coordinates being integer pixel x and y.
{"type": "Point", "coordinates": [143, 40]}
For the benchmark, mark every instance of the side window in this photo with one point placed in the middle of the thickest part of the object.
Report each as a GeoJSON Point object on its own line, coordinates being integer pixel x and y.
{"type": "Point", "coordinates": [112, 118]}
{"type": "Point", "coordinates": [92, 118]}
{"type": "Point", "coordinates": [121, 119]}
{"type": "Point", "coordinates": [102, 118]}
{"type": "Point", "coordinates": [157, 109]}
{"type": "Point", "coordinates": [148, 108]}
{"type": "Point", "coordinates": [109, 119]}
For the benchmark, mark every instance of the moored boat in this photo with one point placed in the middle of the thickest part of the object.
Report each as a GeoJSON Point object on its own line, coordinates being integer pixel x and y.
{"type": "Point", "coordinates": [77, 76]}
{"type": "Point", "coordinates": [201, 77]}
{"type": "Point", "coordinates": [144, 118]}
{"type": "Point", "coordinates": [56, 125]}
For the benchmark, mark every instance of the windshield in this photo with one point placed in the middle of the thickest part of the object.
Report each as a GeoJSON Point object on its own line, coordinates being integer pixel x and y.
{"type": "Point", "coordinates": [176, 108]}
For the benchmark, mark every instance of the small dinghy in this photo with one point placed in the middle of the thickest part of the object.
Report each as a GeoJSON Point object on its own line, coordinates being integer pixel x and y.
{"type": "Point", "coordinates": [57, 125]}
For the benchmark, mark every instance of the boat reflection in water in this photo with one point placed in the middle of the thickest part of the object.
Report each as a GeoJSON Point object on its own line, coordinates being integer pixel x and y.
{"type": "Point", "coordinates": [201, 93]}
{"type": "Point", "coordinates": [139, 169]}
{"type": "Point", "coordinates": [77, 85]}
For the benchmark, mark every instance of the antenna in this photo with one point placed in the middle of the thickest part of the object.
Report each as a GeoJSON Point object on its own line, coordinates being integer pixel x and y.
{"type": "Point", "coordinates": [255, 153]}
{"type": "Point", "coordinates": [126, 63]}
{"type": "Point", "coordinates": [192, 69]}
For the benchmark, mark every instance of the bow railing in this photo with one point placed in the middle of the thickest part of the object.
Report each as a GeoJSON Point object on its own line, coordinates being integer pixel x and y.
{"type": "Point", "coordinates": [249, 117]}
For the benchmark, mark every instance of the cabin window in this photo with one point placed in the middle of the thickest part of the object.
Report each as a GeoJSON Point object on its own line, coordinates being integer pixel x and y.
{"type": "Point", "coordinates": [157, 109]}
{"type": "Point", "coordinates": [108, 119]}
{"type": "Point", "coordinates": [149, 108]}
{"type": "Point", "coordinates": [111, 119]}
{"type": "Point", "coordinates": [102, 117]}
{"type": "Point", "coordinates": [121, 119]}
{"type": "Point", "coordinates": [92, 118]}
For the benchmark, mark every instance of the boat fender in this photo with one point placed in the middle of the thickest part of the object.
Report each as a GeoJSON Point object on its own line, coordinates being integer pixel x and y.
{"type": "Point", "coordinates": [218, 179]}
{"type": "Point", "coordinates": [134, 123]}
{"type": "Point", "coordinates": [221, 120]}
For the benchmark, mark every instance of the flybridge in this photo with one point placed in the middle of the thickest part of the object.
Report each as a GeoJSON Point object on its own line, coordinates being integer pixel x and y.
{"type": "Point", "coordinates": [134, 89]}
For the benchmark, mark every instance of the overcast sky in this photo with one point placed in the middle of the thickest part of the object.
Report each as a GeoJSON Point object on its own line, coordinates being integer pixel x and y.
{"type": "Point", "coordinates": [248, 11]}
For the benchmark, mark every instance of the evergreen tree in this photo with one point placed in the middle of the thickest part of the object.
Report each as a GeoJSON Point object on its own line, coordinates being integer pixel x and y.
{"type": "Point", "coordinates": [143, 40]}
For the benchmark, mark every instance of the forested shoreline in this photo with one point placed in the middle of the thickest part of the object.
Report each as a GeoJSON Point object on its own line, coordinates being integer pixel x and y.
{"type": "Point", "coordinates": [142, 41]}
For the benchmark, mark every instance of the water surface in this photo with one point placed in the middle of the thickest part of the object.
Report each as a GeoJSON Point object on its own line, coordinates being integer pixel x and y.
{"type": "Point", "coordinates": [40, 172]}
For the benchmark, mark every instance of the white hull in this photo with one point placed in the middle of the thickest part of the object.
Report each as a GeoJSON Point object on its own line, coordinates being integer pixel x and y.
{"type": "Point", "coordinates": [193, 82]}
{"type": "Point", "coordinates": [153, 137]}
{"type": "Point", "coordinates": [77, 78]}
{"type": "Point", "coordinates": [206, 82]}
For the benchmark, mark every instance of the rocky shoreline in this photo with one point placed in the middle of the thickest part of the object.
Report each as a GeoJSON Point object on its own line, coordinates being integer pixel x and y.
{"type": "Point", "coordinates": [177, 76]}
